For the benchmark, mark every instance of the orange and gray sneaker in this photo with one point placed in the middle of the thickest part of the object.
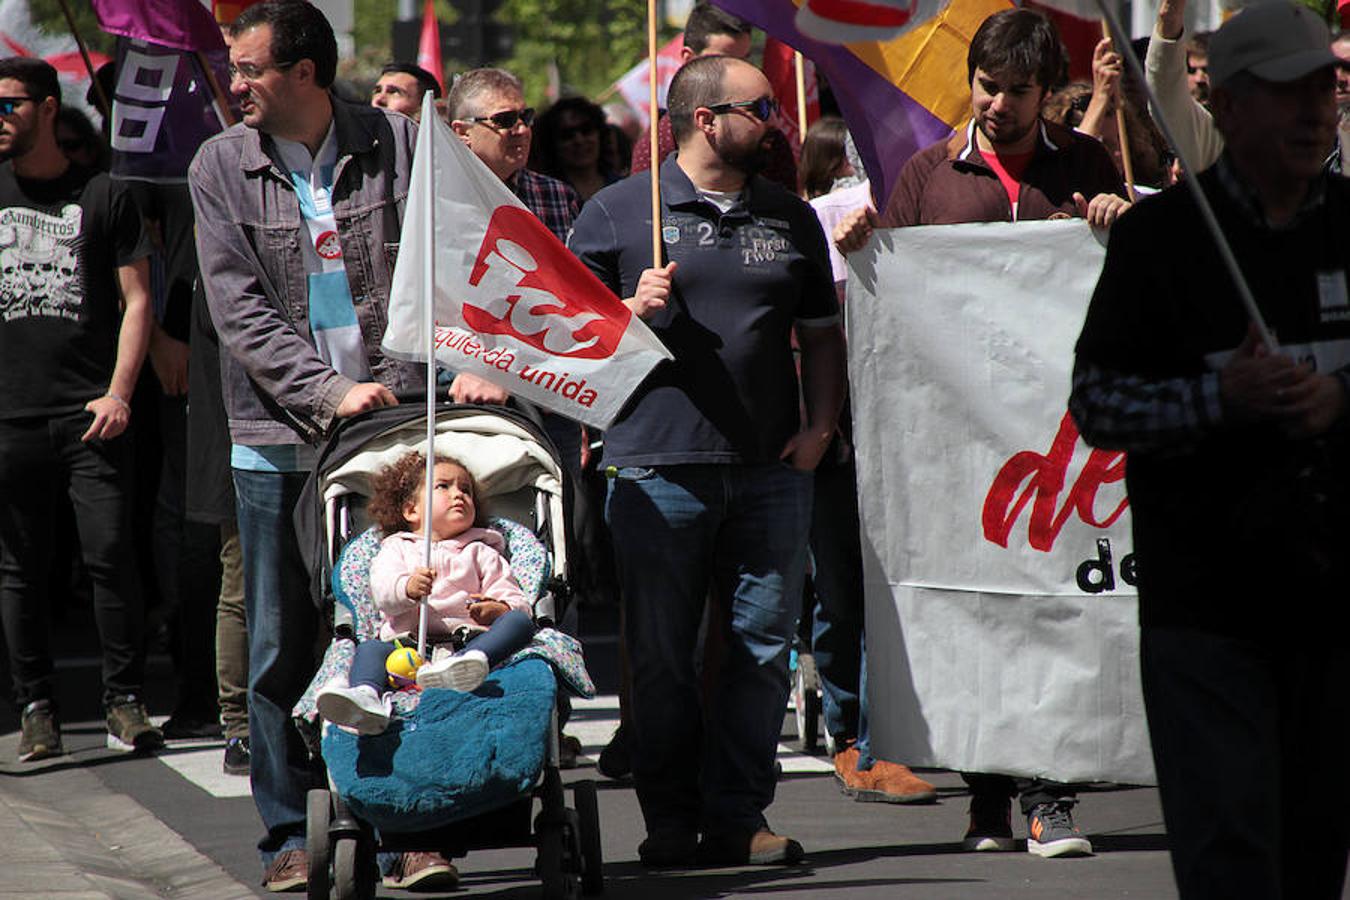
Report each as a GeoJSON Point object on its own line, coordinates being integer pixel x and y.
{"type": "Point", "coordinates": [885, 782]}
{"type": "Point", "coordinates": [1051, 831]}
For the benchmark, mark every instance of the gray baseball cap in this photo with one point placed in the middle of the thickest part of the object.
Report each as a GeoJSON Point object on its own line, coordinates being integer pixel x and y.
{"type": "Point", "coordinates": [1276, 40]}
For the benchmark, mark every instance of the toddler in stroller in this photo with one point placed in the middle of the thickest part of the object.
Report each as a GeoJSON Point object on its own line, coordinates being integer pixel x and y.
{"type": "Point", "coordinates": [473, 599]}
{"type": "Point", "coordinates": [454, 771]}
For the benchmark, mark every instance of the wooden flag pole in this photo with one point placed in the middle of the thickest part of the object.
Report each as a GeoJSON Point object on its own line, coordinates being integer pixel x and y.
{"type": "Point", "coordinates": [800, 69]}
{"type": "Point", "coordinates": [104, 106]}
{"type": "Point", "coordinates": [801, 93]}
{"type": "Point", "coordinates": [222, 101]}
{"type": "Point", "coordinates": [1122, 133]}
{"type": "Point", "coordinates": [652, 133]}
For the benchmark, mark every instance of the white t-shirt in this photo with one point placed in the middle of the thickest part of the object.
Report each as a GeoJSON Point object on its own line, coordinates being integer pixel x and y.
{"type": "Point", "coordinates": [830, 209]}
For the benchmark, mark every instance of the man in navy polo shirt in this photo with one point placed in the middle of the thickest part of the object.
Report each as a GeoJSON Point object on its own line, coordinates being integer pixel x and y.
{"type": "Point", "coordinates": [713, 459]}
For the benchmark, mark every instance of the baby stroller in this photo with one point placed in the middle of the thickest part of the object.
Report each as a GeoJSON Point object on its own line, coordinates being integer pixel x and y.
{"type": "Point", "coordinates": [455, 771]}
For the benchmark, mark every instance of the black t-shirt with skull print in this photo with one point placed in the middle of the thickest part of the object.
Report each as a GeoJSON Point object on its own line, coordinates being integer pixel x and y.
{"type": "Point", "coordinates": [61, 241]}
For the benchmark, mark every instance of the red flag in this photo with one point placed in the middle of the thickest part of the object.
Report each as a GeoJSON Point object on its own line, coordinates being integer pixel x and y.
{"type": "Point", "coordinates": [1080, 28]}
{"type": "Point", "coordinates": [781, 69]}
{"type": "Point", "coordinates": [634, 86]}
{"type": "Point", "coordinates": [429, 45]}
{"type": "Point", "coordinates": [226, 11]}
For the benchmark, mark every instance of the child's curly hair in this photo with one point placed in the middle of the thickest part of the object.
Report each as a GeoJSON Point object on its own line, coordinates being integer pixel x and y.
{"type": "Point", "coordinates": [404, 480]}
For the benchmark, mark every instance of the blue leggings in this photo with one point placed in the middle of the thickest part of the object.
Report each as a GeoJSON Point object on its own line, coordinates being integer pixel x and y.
{"type": "Point", "coordinates": [511, 631]}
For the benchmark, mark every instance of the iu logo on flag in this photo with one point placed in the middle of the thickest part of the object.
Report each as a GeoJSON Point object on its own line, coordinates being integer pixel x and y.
{"type": "Point", "coordinates": [527, 286]}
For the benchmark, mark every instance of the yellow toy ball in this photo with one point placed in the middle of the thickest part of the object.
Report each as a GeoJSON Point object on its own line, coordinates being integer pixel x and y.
{"type": "Point", "coordinates": [402, 665]}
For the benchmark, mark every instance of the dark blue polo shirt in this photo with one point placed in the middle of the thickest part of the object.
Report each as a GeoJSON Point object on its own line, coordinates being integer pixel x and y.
{"type": "Point", "coordinates": [744, 278]}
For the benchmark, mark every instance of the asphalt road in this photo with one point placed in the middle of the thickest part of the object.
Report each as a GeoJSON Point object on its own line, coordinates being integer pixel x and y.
{"type": "Point", "coordinates": [96, 823]}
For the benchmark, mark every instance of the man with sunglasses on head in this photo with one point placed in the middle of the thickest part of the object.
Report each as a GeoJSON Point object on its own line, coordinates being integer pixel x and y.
{"type": "Point", "coordinates": [299, 209]}
{"type": "Point", "coordinates": [1007, 164]}
{"type": "Point", "coordinates": [713, 461]}
{"type": "Point", "coordinates": [70, 242]}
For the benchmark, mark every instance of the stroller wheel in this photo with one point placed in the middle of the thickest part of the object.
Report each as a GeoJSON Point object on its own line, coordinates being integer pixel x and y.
{"type": "Point", "coordinates": [318, 813]}
{"type": "Point", "coordinates": [353, 874]}
{"type": "Point", "coordinates": [588, 824]}
{"type": "Point", "coordinates": [559, 884]}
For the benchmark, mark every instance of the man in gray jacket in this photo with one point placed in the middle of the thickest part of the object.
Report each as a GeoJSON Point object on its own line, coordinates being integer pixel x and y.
{"type": "Point", "coordinates": [299, 210]}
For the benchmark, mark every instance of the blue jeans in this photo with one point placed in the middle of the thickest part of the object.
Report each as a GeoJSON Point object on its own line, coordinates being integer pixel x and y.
{"type": "Point", "coordinates": [837, 640]}
{"type": "Point", "coordinates": [283, 627]}
{"type": "Point", "coordinates": [679, 531]}
{"type": "Point", "coordinates": [510, 632]}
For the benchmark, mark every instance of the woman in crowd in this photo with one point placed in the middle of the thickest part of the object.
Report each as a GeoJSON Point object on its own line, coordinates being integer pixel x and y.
{"type": "Point", "coordinates": [568, 141]}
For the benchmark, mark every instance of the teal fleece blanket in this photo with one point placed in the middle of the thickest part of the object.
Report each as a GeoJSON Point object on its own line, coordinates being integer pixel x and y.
{"type": "Point", "coordinates": [457, 755]}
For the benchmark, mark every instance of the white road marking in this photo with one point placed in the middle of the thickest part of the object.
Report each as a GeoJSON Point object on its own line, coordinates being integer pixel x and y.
{"type": "Point", "coordinates": [593, 723]}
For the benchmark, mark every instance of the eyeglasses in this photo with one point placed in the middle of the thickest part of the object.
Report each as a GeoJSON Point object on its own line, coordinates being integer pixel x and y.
{"type": "Point", "coordinates": [762, 108]}
{"type": "Point", "coordinates": [252, 72]}
{"type": "Point", "coordinates": [505, 121]}
{"type": "Point", "coordinates": [566, 134]}
{"type": "Point", "coordinates": [9, 104]}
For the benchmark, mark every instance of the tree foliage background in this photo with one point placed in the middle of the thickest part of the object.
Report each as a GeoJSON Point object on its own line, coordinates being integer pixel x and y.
{"type": "Point", "coordinates": [592, 42]}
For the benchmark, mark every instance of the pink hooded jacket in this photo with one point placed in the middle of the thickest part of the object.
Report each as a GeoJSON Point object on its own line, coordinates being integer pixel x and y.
{"type": "Point", "coordinates": [469, 563]}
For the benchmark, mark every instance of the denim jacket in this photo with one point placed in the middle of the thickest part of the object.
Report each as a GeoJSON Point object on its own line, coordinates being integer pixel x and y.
{"type": "Point", "coordinates": [277, 389]}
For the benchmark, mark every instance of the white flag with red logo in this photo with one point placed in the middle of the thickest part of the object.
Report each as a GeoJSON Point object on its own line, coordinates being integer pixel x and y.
{"type": "Point", "coordinates": [999, 573]}
{"type": "Point", "coordinates": [511, 303]}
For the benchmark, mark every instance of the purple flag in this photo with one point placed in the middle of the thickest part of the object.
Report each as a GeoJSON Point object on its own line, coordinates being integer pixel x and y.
{"type": "Point", "coordinates": [163, 109]}
{"type": "Point", "coordinates": [182, 24]}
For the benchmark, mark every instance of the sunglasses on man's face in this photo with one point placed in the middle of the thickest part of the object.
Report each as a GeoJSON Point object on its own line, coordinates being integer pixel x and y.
{"type": "Point", "coordinates": [762, 108]}
{"type": "Point", "coordinates": [505, 121]}
{"type": "Point", "coordinates": [9, 104]}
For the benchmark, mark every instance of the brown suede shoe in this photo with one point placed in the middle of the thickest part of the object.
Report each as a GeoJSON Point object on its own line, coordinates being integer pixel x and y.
{"type": "Point", "coordinates": [289, 872]}
{"type": "Point", "coordinates": [762, 848]}
{"type": "Point", "coordinates": [422, 871]}
{"type": "Point", "coordinates": [845, 761]}
{"type": "Point", "coordinates": [885, 782]}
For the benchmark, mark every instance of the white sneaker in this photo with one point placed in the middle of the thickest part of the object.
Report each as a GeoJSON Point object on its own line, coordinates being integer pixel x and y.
{"type": "Point", "coordinates": [461, 672]}
{"type": "Point", "coordinates": [362, 707]}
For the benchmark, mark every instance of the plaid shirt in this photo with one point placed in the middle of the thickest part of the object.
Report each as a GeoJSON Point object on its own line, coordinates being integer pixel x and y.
{"type": "Point", "coordinates": [552, 201]}
{"type": "Point", "coordinates": [1127, 412]}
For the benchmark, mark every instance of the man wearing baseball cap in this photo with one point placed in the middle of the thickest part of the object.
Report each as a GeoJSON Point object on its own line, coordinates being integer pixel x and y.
{"type": "Point", "coordinates": [1237, 472]}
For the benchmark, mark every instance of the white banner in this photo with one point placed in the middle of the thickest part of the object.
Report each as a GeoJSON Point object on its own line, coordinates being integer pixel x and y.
{"type": "Point", "coordinates": [512, 304]}
{"type": "Point", "coordinates": [1001, 617]}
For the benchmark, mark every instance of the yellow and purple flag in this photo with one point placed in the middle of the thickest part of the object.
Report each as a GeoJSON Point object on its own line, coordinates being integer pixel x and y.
{"type": "Point", "coordinates": [898, 96]}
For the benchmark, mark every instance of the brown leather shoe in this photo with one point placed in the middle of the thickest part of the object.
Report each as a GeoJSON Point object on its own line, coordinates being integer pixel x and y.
{"type": "Point", "coordinates": [885, 782]}
{"type": "Point", "coordinates": [422, 871]}
{"type": "Point", "coordinates": [288, 872]}
{"type": "Point", "coordinates": [762, 848]}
